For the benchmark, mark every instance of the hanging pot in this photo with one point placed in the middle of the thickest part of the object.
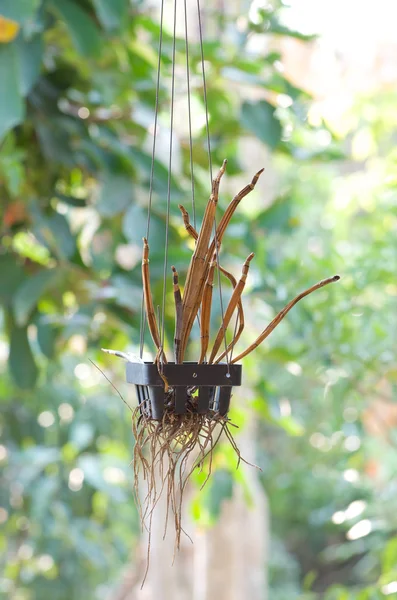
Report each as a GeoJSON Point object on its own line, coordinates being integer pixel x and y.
{"type": "Point", "coordinates": [199, 388]}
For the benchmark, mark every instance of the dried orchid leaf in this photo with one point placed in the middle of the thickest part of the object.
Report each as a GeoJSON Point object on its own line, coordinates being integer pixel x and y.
{"type": "Point", "coordinates": [148, 299]}
{"type": "Point", "coordinates": [197, 272]}
{"type": "Point", "coordinates": [178, 312]}
{"type": "Point", "coordinates": [206, 312]}
{"type": "Point", "coordinates": [236, 296]}
{"type": "Point", "coordinates": [282, 314]}
{"type": "Point", "coordinates": [241, 320]}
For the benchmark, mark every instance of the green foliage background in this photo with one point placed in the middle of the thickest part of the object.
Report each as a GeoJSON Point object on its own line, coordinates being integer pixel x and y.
{"type": "Point", "coordinates": [74, 173]}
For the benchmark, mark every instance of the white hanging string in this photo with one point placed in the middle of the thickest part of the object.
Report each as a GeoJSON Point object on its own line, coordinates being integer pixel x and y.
{"type": "Point", "coordinates": [170, 157]}
{"type": "Point", "coordinates": [156, 113]}
{"type": "Point", "coordinates": [167, 224]}
{"type": "Point", "coordinates": [211, 174]}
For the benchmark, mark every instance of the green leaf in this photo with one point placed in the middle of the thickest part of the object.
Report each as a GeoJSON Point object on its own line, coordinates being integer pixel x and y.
{"type": "Point", "coordinates": [291, 426]}
{"type": "Point", "coordinates": [93, 475]}
{"type": "Point", "coordinates": [278, 28]}
{"type": "Point", "coordinates": [259, 119]}
{"type": "Point", "coordinates": [116, 194]}
{"type": "Point", "coordinates": [134, 224]}
{"type": "Point", "coordinates": [390, 556]}
{"type": "Point", "coordinates": [71, 200]}
{"type": "Point", "coordinates": [143, 161]}
{"type": "Point", "coordinates": [279, 83]}
{"type": "Point", "coordinates": [11, 165]}
{"type": "Point", "coordinates": [21, 362]}
{"type": "Point", "coordinates": [54, 142]}
{"type": "Point", "coordinates": [134, 228]}
{"type": "Point", "coordinates": [111, 13]}
{"type": "Point", "coordinates": [62, 236]}
{"type": "Point", "coordinates": [309, 580]}
{"type": "Point", "coordinates": [81, 435]}
{"type": "Point", "coordinates": [221, 489]}
{"type": "Point", "coordinates": [46, 337]}
{"type": "Point", "coordinates": [30, 54]}
{"type": "Point", "coordinates": [29, 293]}
{"type": "Point", "coordinates": [12, 107]}
{"type": "Point", "coordinates": [19, 10]}
{"type": "Point", "coordinates": [12, 276]}
{"type": "Point", "coordinates": [53, 232]}
{"type": "Point", "coordinates": [278, 217]}
{"type": "Point", "coordinates": [34, 459]}
{"type": "Point", "coordinates": [43, 493]}
{"type": "Point", "coordinates": [83, 31]}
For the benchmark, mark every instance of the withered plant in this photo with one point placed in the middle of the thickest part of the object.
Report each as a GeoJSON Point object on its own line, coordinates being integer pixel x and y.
{"type": "Point", "coordinates": [168, 449]}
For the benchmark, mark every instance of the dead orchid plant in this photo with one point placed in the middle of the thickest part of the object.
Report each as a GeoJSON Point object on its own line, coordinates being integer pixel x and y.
{"type": "Point", "coordinates": [167, 451]}
{"type": "Point", "coordinates": [197, 293]}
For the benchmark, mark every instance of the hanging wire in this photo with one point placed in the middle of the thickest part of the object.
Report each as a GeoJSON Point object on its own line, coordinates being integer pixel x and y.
{"type": "Point", "coordinates": [156, 114]}
{"type": "Point", "coordinates": [190, 116]}
{"type": "Point", "coordinates": [189, 104]}
{"type": "Point", "coordinates": [204, 88]}
{"type": "Point", "coordinates": [167, 224]}
{"type": "Point", "coordinates": [143, 316]}
{"type": "Point", "coordinates": [211, 175]}
{"type": "Point", "coordinates": [234, 337]}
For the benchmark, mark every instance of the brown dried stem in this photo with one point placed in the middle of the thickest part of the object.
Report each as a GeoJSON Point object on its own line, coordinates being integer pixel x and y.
{"type": "Point", "coordinates": [282, 314]}
{"type": "Point", "coordinates": [148, 299]}
{"type": "Point", "coordinates": [206, 312]}
{"type": "Point", "coordinates": [178, 313]}
{"type": "Point", "coordinates": [197, 272]}
{"type": "Point", "coordinates": [224, 222]}
{"type": "Point", "coordinates": [236, 296]}
{"type": "Point", "coordinates": [241, 320]}
{"type": "Point", "coordinates": [186, 221]}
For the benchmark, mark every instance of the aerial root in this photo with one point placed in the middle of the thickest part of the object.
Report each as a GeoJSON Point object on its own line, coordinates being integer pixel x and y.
{"type": "Point", "coordinates": [166, 453]}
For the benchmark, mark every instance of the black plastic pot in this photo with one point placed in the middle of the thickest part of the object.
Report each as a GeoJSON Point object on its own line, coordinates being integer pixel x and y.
{"type": "Point", "coordinates": [214, 384]}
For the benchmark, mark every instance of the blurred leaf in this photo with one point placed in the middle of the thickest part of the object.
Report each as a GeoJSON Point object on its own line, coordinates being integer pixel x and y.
{"type": "Point", "coordinates": [259, 119]}
{"type": "Point", "coordinates": [12, 276]}
{"type": "Point", "coordinates": [390, 556]}
{"type": "Point", "coordinates": [46, 336]}
{"type": "Point", "coordinates": [71, 200]}
{"type": "Point", "coordinates": [276, 27]}
{"type": "Point", "coordinates": [277, 217]}
{"type": "Point", "coordinates": [53, 232]}
{"type": "Point", "coordinates": [309, 580]}
{"type": "Point", "coordinates": [93, 475]}
{"type": "Point", "coordinates": [160, 176]}
{"type": "Point", "coordinates": [83, 31]}
{"type": "Point", "coordinates": [21, 362]}
{"type": "Point", "coordinates": [12, 108]}
{"type": "Point", "coordinates": [11, 168]}
{"type": "Point", "coordinates": [33, 460]}
{"type": "Point", "coordinates": [221, 489]}
{"type": "Point", "coordinates": [30, 54]}
{"type": "Point", "coordinates": [111, 13]}
{"type": "Point", "coordinates": [54, 142]}
{"type": "Point", "coordinates": [43, 494]}
{"type": "Point", "coordinates": [63, 240]}
{"type": "Point", "coordinates": [19, 10]}
{"type": "Point", "coordinates": [116, 194]}
{"type": "Point", "coordinates": [134, 227]}
{"type": "Point", "coordinates": [126, 293]}
{"type": "Point", "coordinates": [282, 85]}
{"type": "Point", "coordinates": [81, 435]}
{"type": "Point", "coordinates": [291, 426]}
{"type": "Point", "coordinates": [30, 292]}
